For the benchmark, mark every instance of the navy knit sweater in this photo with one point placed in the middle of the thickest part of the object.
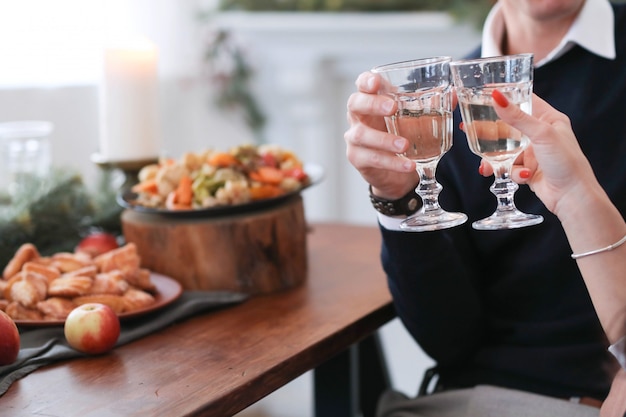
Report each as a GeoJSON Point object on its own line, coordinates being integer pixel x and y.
{"type": "Point", "coordinates": [510, 308]}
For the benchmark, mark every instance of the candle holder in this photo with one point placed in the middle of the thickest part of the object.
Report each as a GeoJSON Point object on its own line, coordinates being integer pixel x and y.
{"type": "Point", "coordinates": [130, 168]}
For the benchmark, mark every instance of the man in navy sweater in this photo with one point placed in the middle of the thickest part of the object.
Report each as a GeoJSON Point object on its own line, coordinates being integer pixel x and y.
{"type": "Point", "coordinates": [506, 308]}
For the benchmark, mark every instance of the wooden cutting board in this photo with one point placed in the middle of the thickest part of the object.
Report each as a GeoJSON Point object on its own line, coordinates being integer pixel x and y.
{"type": "Point", "coordinates": [258, 252]}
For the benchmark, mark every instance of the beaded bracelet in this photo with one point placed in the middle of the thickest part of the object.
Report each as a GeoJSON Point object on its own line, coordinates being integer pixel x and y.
{"type": "Point", "coordinates": [605, 249]}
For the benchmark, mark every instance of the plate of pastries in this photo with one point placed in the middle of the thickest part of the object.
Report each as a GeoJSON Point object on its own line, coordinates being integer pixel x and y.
{"type": "Point", "coordinates": [37, 290]}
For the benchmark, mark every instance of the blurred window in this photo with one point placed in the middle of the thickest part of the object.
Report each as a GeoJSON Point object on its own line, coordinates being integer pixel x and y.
{"type": "Point", "coordinates": [54, 42]}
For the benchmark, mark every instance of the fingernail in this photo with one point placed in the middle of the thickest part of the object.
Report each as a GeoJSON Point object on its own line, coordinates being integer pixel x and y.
{"type": "Point", "coordinates": [408, 166]}
{"type": "Point", "coordinates": [462, 126]}
{"type": "Point", "coordinates": [399, 144]}
{"type": "Point", "coordinates": [480, 169]}
{"type": "Point", "coordinates": [499, 98]}
{"type": "Point", "coordinates": [524, 173]}
{"type": "Point", "coordinates": [388, 106]}
{"type": "Point", "coordinates": [370, 83]}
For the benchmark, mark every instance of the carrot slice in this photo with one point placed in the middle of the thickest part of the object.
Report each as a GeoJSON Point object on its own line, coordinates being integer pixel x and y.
{"type": "Point", "coordinates": [268, 175]}
{"type": "Point", "coordinates": [222, 159]}
{"type": "Point", "coordinates": [184, 193]}
{"type": "Point", "coordinates": [263, 191]}
{"type": "Point", "coordinates": [148, 186]}
{"type": "Point", "coordinates": [172, 204]}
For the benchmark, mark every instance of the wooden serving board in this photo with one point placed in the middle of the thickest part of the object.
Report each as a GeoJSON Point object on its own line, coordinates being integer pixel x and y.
{"type": "Point", "coordinates": [258, 252]}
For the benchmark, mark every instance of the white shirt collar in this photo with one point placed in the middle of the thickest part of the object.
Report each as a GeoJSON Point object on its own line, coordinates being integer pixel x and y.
{"type": "Point", "coordinates": [593, 29]}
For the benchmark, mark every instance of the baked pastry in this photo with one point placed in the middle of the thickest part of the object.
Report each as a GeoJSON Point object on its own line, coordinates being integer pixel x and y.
{"type": "Point", "coordinates": [55, 308]}
{"type": "Point", "coordinates": [28, 289]}
{"type": "Point", "coordinates": [18, 312]}
{"type": "Point", "coordinates": [116, 302]}
{"type": "Point", "coordinates": [49, 271]}
{"type": "Point", "coordinates": [24, 253]}
{"type": "Point", "coordinates": [67, 262]}
{"type": "Point", "coordinates": [86, 271]}
{"type": "Point", "coordinates": [70, 286]}
{"type": "Point", "coordinates": [50, 287]}
{"type": "Point", "coordinates": [125, 258]}
{"type": "Point", "coordinates": [111, 282]}
{"type": "Point", "coordinates": [139, 278]}
{"type": "Point", "coordinates": [135, 299]}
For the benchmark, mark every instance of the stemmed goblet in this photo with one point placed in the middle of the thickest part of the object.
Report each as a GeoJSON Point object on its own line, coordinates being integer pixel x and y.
{"type": "Point", "coordinates": [423, 93]}
{"type": "Point", "coordinates": [488, 136]}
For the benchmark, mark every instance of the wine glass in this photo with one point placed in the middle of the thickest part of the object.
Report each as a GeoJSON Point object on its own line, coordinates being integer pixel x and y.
{"type": "Point", "coordinates": [487, 135]}
{"type": "Point", "coordinates": [423, 93]}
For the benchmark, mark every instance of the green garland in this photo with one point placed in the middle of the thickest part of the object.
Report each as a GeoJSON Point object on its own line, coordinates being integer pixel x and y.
{"type": "Point", "coordinates": [57, 213]}
{"type": "Point", "coordinates": [468, 10]}
{"type": "Point", "coordinates": [336, 5]}
{"type": "Point", "coordinates": [233, 79]}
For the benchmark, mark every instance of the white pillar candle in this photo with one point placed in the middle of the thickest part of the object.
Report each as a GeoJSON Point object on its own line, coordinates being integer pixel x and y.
{"type": "Point", "coordinates": [129, 103]}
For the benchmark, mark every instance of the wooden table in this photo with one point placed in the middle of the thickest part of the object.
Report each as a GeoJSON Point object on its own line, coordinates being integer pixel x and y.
{"type": "Point", "coordinates": [219, 363]}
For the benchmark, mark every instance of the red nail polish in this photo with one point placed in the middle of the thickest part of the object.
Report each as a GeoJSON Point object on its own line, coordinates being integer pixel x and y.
{"type": "Point", "coordinates": [499, 98]}
{"type": "Point", "coordinates": [525, 173]}
{"type": "Point", "coordinates": [480, 169]}
{"type": "Point", "coordinates": [462, 126]}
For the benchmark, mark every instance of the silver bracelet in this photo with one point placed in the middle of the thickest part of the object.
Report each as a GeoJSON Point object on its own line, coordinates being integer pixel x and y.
{"type": "Point", "coordinates": [605, 249]}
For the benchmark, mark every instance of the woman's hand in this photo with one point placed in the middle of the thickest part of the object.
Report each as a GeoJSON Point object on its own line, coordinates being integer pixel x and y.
{"type": "Point", "coordinates": [553, 165]}
{"type": "Point", "coordinates": [370, 148]}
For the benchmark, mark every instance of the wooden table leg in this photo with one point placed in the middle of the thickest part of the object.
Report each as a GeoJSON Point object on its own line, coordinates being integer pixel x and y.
{"type": "Point", "coordinates": [350, 384]}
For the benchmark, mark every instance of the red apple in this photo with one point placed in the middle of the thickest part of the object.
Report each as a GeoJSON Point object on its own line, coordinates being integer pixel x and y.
{"type": "Point", "coordinates": [9, 340]}
{"type": "Point", "coordinates": [92, 328]}
{"type": "Point", "coordinates": [97, 243]}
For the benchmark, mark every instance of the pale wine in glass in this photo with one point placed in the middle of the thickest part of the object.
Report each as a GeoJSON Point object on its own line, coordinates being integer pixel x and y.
{"type": "Point", "coordinates": [487, 135]}
{"type": "Point", "coordinates": [423, 93]}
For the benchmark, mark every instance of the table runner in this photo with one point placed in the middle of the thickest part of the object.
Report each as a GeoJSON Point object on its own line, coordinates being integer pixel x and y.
{"type": "Point", "coordinates": [44, 346]}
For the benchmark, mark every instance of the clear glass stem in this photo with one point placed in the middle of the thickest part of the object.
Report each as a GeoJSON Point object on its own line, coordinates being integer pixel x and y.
{"type": "Point", "coordinates": [430, 216]}
{"type": "Point", "coordinates": [506, 216]}
{"type": "Point", "coordinates": [504, 187]}
{"type": "Point", "coordinates": [428, 188]}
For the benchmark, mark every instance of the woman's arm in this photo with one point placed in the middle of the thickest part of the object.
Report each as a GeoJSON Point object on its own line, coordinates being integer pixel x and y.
{"type": "Point", "coordinates": [558, 172]}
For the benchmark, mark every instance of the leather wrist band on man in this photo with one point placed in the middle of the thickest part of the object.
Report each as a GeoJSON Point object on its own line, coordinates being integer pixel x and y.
{"type": "Point", "coordinates": [404, 206]}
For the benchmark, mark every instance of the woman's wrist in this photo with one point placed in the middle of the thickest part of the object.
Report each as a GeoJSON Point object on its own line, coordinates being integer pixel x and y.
{"type": "Point", "coordinates": [589, 218]}
{"type": "Point", "coordinates": [580, 201]}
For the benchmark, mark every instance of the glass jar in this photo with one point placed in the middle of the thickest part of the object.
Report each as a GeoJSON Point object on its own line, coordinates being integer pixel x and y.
{"type": "Point", "coordinates": [25, 154]}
